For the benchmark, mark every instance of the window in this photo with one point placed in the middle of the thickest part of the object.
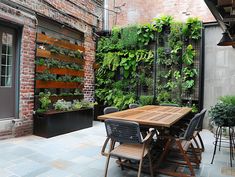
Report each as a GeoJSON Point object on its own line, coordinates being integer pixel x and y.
{"type": "Point", "coordinates": [6, 60]}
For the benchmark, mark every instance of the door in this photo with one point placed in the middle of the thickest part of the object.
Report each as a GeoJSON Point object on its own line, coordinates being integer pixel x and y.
{"type": "Point", "coordinates": [7, 72]}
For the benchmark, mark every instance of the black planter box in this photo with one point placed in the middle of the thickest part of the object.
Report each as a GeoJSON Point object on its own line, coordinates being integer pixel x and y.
{"type": "Point", "coordinates": [55, 123]}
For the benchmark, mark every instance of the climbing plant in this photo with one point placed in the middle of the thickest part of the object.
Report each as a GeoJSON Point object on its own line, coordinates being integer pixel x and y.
{"type": "Point", "coordinates": [126, 61]}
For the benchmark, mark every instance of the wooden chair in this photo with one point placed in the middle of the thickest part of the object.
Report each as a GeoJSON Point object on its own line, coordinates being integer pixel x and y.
{"type": "Point", "coordinates": [110, 109]}
{"type": "Point", "coordinates": [131, 147]}
{"type": "Point", "coordinates": [199, 129]}
{"type": "Point", "coordinates": [182, 144]}
{"type": "Point", "coordinates": [133, 105]}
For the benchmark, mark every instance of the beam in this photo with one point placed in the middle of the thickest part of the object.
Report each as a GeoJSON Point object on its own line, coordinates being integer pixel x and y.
{"type": "Point", "coordinates": [225, 3]}
{"type": "Point", "coordinates": [216, 14]}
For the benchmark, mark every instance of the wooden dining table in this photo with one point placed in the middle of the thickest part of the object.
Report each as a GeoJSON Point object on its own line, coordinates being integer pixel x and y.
{"type": "Point", "coordinates": [150, 115]}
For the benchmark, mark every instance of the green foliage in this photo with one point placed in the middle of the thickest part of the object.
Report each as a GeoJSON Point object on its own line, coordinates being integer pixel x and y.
{"type": "Point", "coordinates": [145, 35]}
{"type": "Point", "coordinates": [62, 105]}
{"type": "Point", "coordinates": [82, 104]}
{"type": "Point", "coordinates": [160, 23]}
{"type": "Point", "coordinates": [129, 37]}
{"type": "Point", "coordinates": [111, 60]}
{"type": "Point", "coordinates": [124, 57]}
{"type": "Point", "coordinates": [146, 100]}
{"type": "Point", "coordinates": [229, 99]}
{"type": "Point", "coordinates": [192, 28]}
{"type": "Point", "coordinates": [44, 99]}
{"type": "Point", "coordinates": [194, 108]}
{"type": "Point", "coordinates": [51, 63]}
{"type": "Point", "coordinates": [71, 53]}
{"type": "Point", "coordinates": [175, 35]}
{"type": "Point", "coordinates": [188, 56]}
{"type": "Point", "coordinates": [68, 78]}
{"type": "Point", "coordinates": [223, 114]}
{"type": "Point", "coordinates": [45, 76]}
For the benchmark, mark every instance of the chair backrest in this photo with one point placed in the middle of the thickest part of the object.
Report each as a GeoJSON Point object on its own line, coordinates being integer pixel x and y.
{"type": "Point", "coordinates": [108, 110]}
{"type": "Point", "coordinates": [123, 131]}
{"type": "Point", "coordinates": [191, 127]}
{"type": "Point", "coordinates": [200, 123]}
{"type": "Point", "coordinates": [169, 104]}
{"type": "Point", "coordinates": [134, 105]}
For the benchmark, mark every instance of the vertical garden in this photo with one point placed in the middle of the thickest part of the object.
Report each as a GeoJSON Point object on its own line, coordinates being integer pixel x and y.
{"type": "Point", "coordinates": [150, 64]}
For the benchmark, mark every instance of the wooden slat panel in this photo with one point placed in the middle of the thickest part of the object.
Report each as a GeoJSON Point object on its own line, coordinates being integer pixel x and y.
{"type": "Point", "coordinates": [60, 71]}
{"type": "Point", "coordinates": [48, 54]}
{"type": "Point", "coordinates": [59, 43]}
{"type": "Point", "coordinates": [57, 84]}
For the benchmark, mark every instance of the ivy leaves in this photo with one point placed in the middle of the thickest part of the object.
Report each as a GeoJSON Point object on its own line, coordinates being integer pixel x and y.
{"type": "Point", "coordinates": [188, 56]}
{"type": "Point", "coordinates": [145, 34]}
{"type": "Point", "coordinates": [192, 28]}
{"type": "Point", "coordinates": [123, 54]}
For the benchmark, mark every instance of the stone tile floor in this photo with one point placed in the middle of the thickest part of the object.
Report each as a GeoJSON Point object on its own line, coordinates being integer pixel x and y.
{"type": "Point", "coordinates": [77, 154]}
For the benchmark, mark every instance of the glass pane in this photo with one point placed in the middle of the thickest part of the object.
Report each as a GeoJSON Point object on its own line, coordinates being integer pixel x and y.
{"type": "Point", "coordinates": [8, 81]}
{"type": "Point", "coordinates": [2, 81]}
{"type": "Point", "coordinates": [4, 49]}
{"type": "Point", "coordinates": [3, 70]}
{"type": "Point", "coordinates": [9, 50]}
{"type": "Point", "coordinates": [6, 60]}
{"type": "Point", "coordinates": [9, 60]}
{"type": "Point", "coordinates": [9, 71]}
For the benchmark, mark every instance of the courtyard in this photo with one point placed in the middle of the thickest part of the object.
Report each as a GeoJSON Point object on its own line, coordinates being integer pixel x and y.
{"type": "Point", "coordinates": [77, 154]}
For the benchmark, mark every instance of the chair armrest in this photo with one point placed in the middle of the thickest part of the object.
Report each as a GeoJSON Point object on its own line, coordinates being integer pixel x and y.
{"type": "Point", "coordinates": [104, 147]}
{"type": "Point", "coordinates": [149, 136]}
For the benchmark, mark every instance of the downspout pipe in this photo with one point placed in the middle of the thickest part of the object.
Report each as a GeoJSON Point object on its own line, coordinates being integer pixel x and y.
{"type": "Point", "coordinates": [106, 16]}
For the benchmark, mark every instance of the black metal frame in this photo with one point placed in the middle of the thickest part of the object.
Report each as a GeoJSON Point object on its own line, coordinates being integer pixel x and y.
{"type": "Point", "coordinates": [218, 139]}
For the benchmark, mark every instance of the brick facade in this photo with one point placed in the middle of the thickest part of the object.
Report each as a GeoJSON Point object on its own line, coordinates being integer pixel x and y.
{"type": "Point", "coordinates": [139, 11]}
{"type": "Point", "coordinates": [79, 14]}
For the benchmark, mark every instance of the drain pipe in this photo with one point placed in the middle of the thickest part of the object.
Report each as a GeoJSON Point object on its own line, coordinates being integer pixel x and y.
{"type": "Point", "coordinates": [106, 16]}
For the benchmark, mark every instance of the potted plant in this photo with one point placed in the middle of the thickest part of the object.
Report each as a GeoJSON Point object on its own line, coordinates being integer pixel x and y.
{"type": "Point", "coordinates": [223, 113]}
{"type": "Point", "coordinates": [62, 117]}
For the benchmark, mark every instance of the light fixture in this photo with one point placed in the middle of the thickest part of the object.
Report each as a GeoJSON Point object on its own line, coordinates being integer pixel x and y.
{"type": "Point", "coordinates": [226, 40]}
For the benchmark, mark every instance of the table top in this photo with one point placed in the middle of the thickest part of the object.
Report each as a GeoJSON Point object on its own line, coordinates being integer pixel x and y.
{"type": "Point", "coordinates": [151, 115]}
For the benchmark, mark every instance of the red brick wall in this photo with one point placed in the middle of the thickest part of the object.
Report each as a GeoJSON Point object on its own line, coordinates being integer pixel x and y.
{"type": "Point", "coordinates": [139, 11]}
{"type": "Point", "coordinates": [79, 14]}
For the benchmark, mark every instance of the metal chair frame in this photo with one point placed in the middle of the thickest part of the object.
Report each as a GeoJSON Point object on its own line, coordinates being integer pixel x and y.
{"type": "Point", "coordinates": [133, 105]}
{"type": "Point", "coordinates": [182, 144]}
{"type": "Point", "coordinates": [128, 135]}
{"type": "Point", "coordinates": [110, 109]}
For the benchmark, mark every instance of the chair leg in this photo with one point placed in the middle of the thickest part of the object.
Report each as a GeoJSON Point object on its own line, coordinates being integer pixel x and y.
{"type": "Point", "coordinates": [106, 166]}
{"type": "Point", "coordinates": [150, 165]}
{"type": "Point", "coordinates": [165, 152]}
{"type": "Point", "coordinates": [197, 160]}
{"type": "Point", "coordinates": [220, 137]}
{"type": "Point", "coordinates": [201, 142]}
{"type": "Point", "coordinates": [197, 145]}
{"type": "Point", "coordinates": [120, 160]}
{"type": "Point", "coordinates": [216, 141]}
{"type": "Point", "coordinates": [231, 147]}
{"type": "Point", "coordinates": [140, 167]}
{"type": "Point", "coordinates": [185, 157]}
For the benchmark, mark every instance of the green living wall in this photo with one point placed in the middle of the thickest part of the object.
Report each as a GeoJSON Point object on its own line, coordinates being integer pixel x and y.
{"type": "Point", "coordinates": [133, 58]}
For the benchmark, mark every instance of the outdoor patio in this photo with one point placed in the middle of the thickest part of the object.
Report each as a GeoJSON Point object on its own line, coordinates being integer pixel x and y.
{"type": "Point", "coordinates": [77, 154]}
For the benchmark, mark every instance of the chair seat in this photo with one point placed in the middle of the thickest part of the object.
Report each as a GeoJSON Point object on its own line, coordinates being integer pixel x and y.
{"type": "Point", "coordinates": [129, 151]}
{"type": "Point", "coordinates": [184, 143]}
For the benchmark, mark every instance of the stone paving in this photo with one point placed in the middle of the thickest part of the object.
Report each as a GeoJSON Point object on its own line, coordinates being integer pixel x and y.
{"type": "Point", "coordinates": [77, 154]}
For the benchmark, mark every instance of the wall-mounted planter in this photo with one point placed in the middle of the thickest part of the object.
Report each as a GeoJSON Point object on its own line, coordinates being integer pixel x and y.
{"type": "Point", "coordinates": [59, 57]}
{"type": "Point", "coordinates": [60, 71]}
{"type": "Point", "coordinates": [55, 123]}
{"type": "Point", "coordinates": [57, 84]}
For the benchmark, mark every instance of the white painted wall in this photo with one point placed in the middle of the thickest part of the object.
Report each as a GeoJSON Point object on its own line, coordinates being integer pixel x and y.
{"type": "Point", "coordinates": [219, 69]}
